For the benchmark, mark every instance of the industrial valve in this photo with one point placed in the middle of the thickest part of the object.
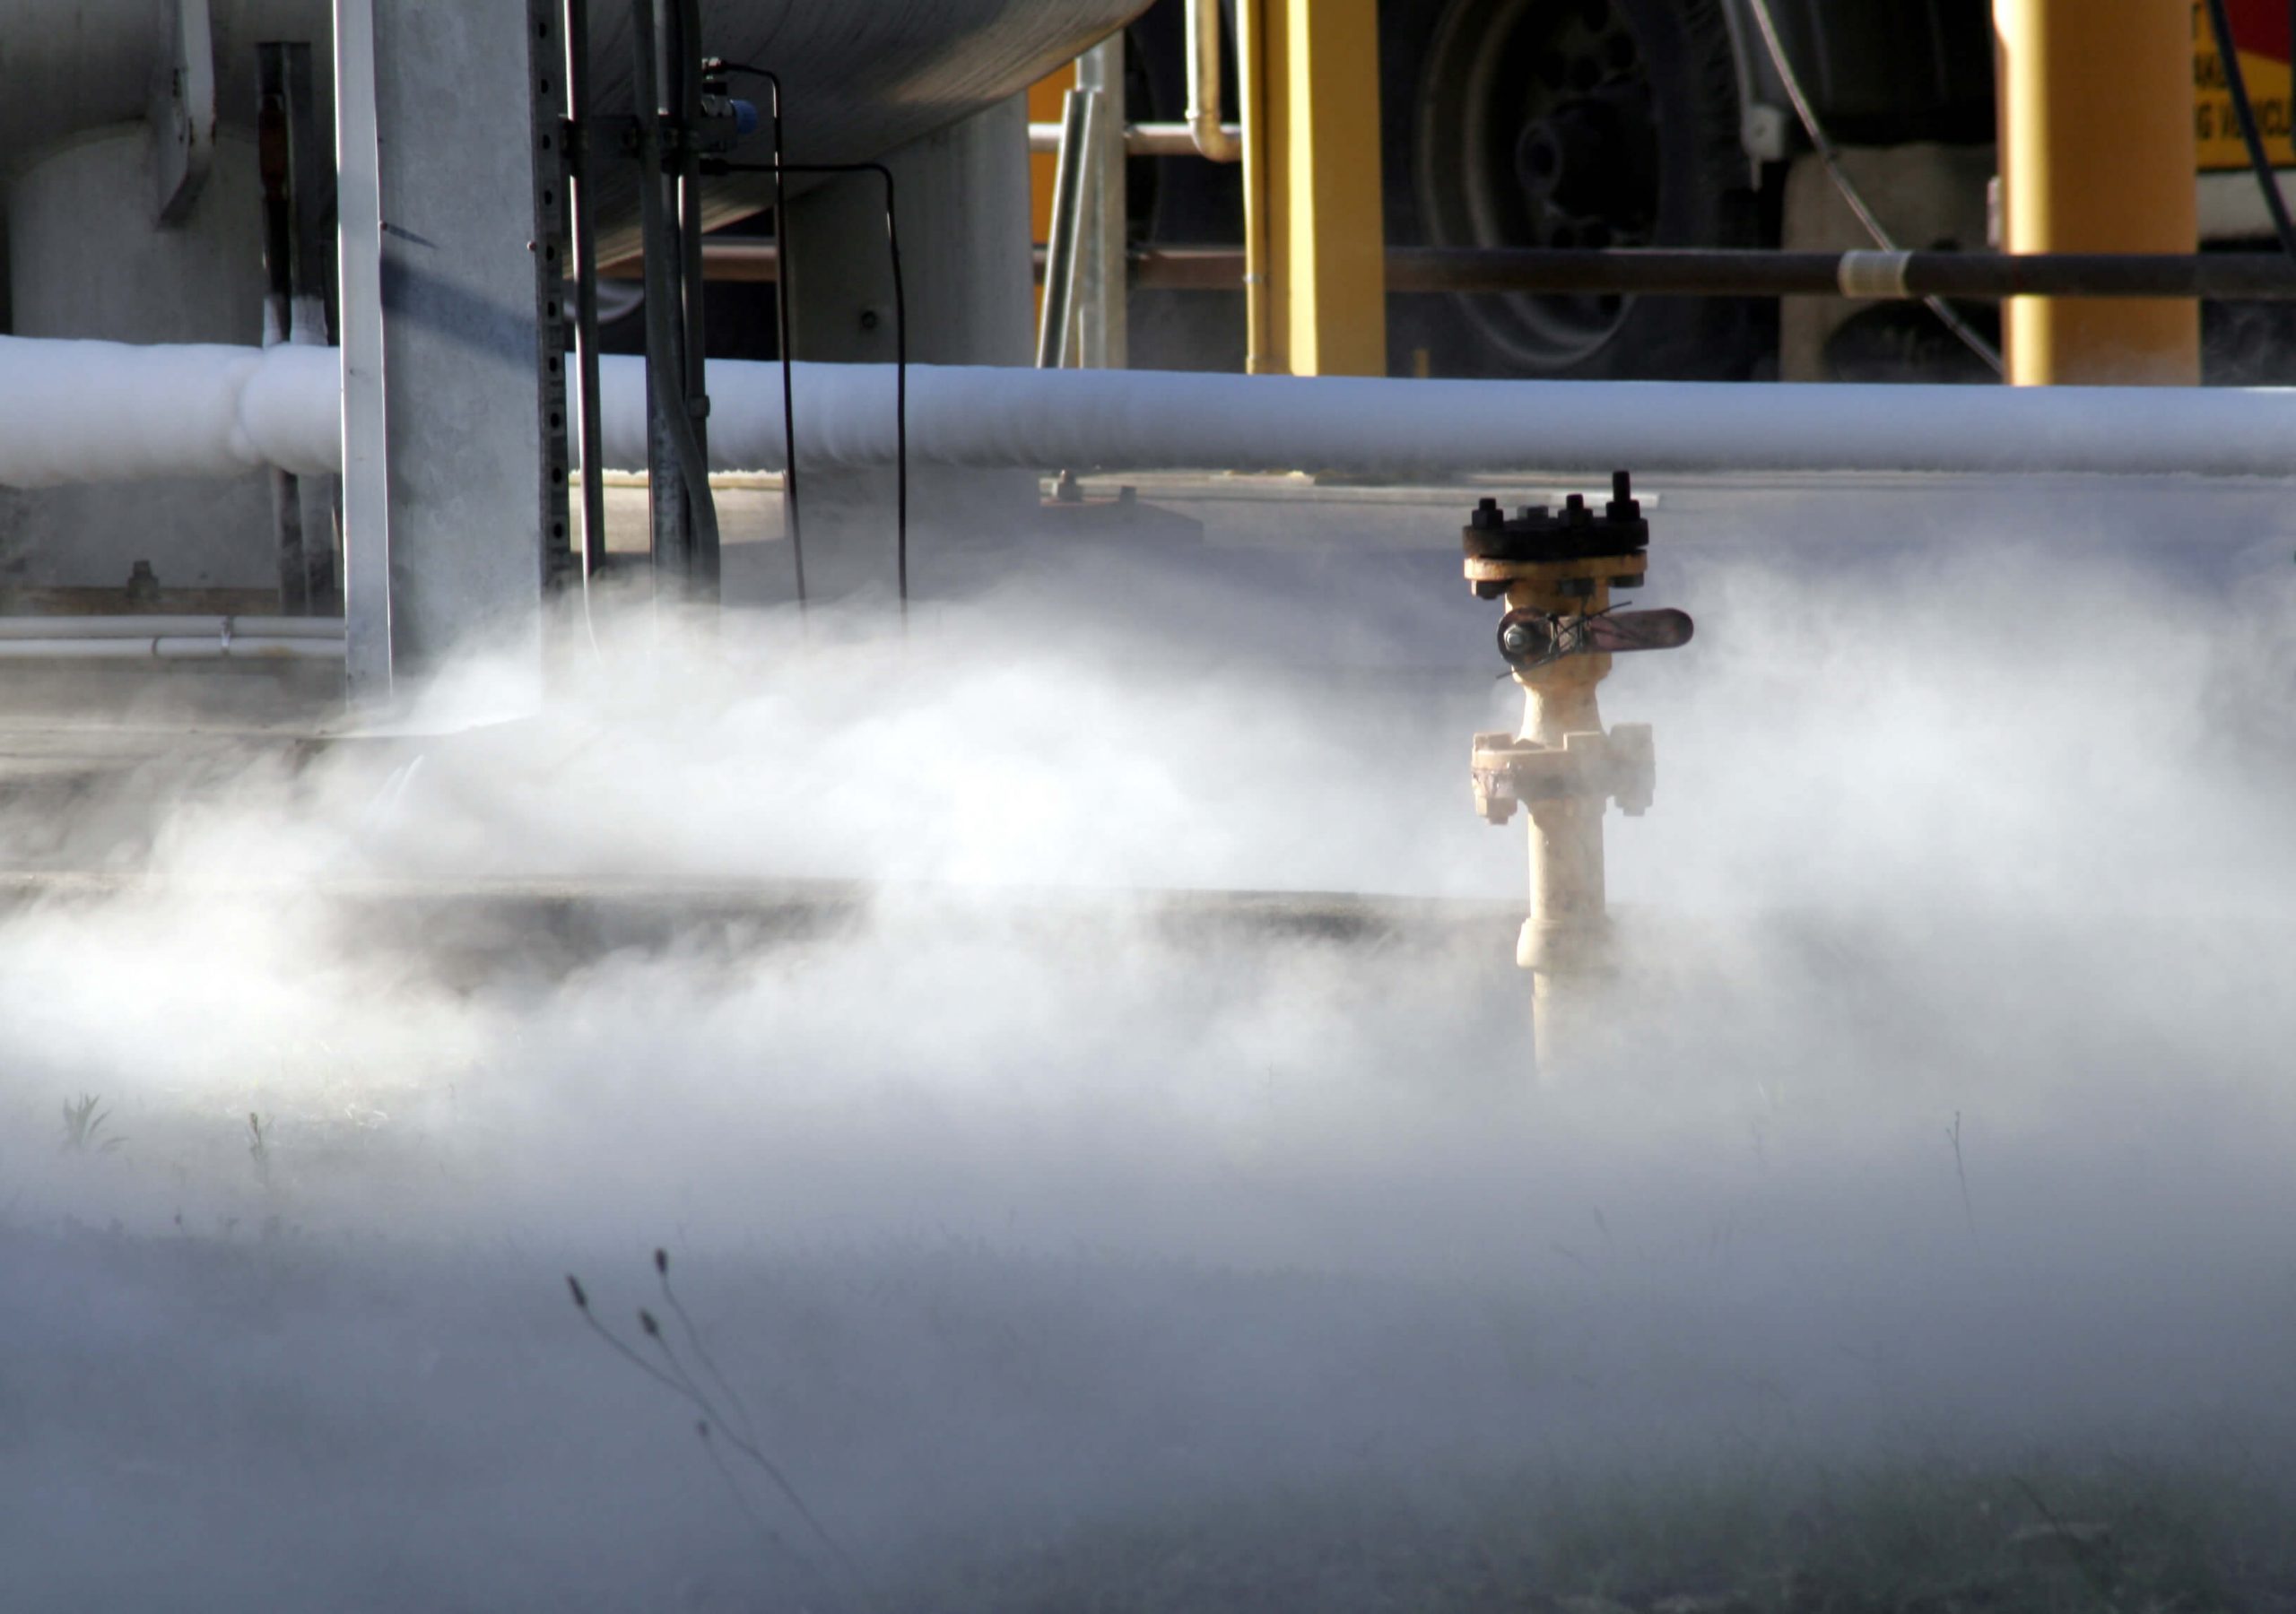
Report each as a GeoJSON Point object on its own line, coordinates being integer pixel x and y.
{"type": "Point", "coordinates": [1556, 569]}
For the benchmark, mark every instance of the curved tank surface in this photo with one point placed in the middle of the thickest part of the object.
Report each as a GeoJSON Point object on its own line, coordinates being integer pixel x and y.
{"type": "Point", "coordinates": [860, 79]}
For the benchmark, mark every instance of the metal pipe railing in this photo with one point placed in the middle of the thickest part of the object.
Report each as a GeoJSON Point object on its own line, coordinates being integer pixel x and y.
{"type": "Point", "coordinates": [270, 638]}
{"type": "Point", "coordinates": [170, 626]}
{"type": "Point", "coordinates": [1140, 139]}
{"type": "Point", "coordinates": [173, 647]}
{"type": "Point", "coordinates": [1205, 133]}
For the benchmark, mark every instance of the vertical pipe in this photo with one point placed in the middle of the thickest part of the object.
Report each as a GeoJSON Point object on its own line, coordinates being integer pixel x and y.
{"type": "Point", "coordinates": [664, 322]}
{"type": "Point", "coordinates": [683, 66]}
{"type": "Point", "coordinates": [2098, 155]}
{"type": "Point", "coordinates": [311, 203]}
{"type": "Point", "coordinates": [310, 198]}
{"type": "Point", "coordinates": [366, 491]}
{"type": "Point", "coordinates": [1565, 943]}
{"type": "Point", "coordinates": [790, 509]}
{"type": "Point", "coordinates": [589, 429]}
{"type": "Point", "coordinates": [1252, 94]}
{"type": "Point", "coordinates": [275, 163]}
{"type": "Point", "coordinates": [1205, 124]}
{"type": "Point", "coordinates": [1053, 331]}
{"type": "Point", "coordinates": [295, 185]}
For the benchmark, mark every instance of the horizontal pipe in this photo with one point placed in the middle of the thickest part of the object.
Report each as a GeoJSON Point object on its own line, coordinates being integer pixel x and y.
{"type": "Point", "coordinates": [1151, 420]}
{"type": "Point", "coordinates": [733, 261]}
{"type": "Point", "coordinates": [169, 648]}
{"type": "Point", "coordinates": [82, 412]}
{"type": "Point", "coordinates": [1164, 419]}
{"type": "Point", "coordinates": [169, 627]}
{"type": "Point", "coordinates": [1669, 271]}
{"type": "Point", "coordinates": [1140, 139]}
{"type": "Point", "coordinates": [1672, 272]}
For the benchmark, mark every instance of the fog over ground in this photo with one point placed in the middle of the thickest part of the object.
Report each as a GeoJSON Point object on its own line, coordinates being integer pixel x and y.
{"type": "Point", "coordinates": [1063, 1246]}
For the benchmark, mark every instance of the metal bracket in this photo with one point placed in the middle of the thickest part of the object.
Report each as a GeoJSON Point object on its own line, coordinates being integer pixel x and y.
{"type": "Point", "coordinates": [183, 111]}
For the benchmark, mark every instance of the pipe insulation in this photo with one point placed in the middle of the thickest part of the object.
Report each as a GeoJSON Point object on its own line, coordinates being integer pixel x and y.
{"type": "Point", "coordinates": [96, 411]}
{"type": "Point", "coordinates": [89, 412]}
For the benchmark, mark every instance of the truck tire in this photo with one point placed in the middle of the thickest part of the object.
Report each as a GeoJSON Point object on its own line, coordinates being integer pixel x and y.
{"type": "Point", "coordinates": [1567, 123]}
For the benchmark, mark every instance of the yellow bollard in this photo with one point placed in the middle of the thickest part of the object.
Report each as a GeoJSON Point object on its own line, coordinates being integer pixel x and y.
{"type": "Point", "coordinates": [2098, 155]}
{"type": "Point", "coordinates": [1315, 244]}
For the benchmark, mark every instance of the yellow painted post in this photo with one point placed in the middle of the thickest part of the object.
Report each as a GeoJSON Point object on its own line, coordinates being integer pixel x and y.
{"type": "Point", "coordinates": [1314, 238]}
{"type": "Point", "coordinates": [2098, 155]}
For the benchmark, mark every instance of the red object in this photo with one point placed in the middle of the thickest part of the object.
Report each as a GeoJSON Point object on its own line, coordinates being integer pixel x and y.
{"type": "Point", "coordinates": [2259, 26]}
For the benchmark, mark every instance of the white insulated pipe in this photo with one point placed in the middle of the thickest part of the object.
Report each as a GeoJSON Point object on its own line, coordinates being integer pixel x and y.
{"type": "Point", "coordinates": [89, 412]}
{"type": "Point", "coordinates": [1164, 419]}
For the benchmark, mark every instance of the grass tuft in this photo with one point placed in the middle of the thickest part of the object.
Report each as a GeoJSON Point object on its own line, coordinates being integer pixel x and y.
{"type": "Point", "coordinates": [83, 1126]}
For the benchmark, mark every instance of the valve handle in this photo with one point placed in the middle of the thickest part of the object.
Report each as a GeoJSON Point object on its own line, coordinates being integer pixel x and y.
{"type": "Point", "coordinates": [1531, 638]}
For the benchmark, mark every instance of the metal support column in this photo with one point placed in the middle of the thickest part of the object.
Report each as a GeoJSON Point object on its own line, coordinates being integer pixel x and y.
{"type": "Point", "coordinates": [582, 140]}
{"type": "Point", "coordinates": [546, 77]}
{"type": "Point", "coordinates": [450, 422]}
{"type": "Point", "coordinates": [359, 265]}
{"type": "Point", "coordinates": [297, 184]}
{"type": "Point", "coordinates": [1103, 272]}
{"type": "Point", "coordinates": [1312, 216]}
{"type": "Point", "coordinates": [2097, 155]}
{"type": "Point", "coordinates": [667, 35]}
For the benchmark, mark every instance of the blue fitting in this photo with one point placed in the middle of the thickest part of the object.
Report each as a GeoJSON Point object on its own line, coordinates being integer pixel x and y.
{"type": "Point", "coordinates": [744, 118]}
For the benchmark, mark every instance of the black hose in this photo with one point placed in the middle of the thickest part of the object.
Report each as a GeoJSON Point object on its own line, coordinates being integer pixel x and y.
{"type": "Point", "coordinates": [2260, 160]}
{"type": "Point", "coordinates": [901, 343]}
{"type": "Point", "coordinates": [781, 318]}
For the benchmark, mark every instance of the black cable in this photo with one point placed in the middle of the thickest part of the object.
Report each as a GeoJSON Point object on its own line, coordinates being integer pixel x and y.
{"type": "Point", "coordinates": [2228, 54]}
{"type": "Point", "coordinates": [781, 315]}
{"type": "Point", "coordinates": [1807, 116]}
{"type": "Point", "coordinates": [900, 339]}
